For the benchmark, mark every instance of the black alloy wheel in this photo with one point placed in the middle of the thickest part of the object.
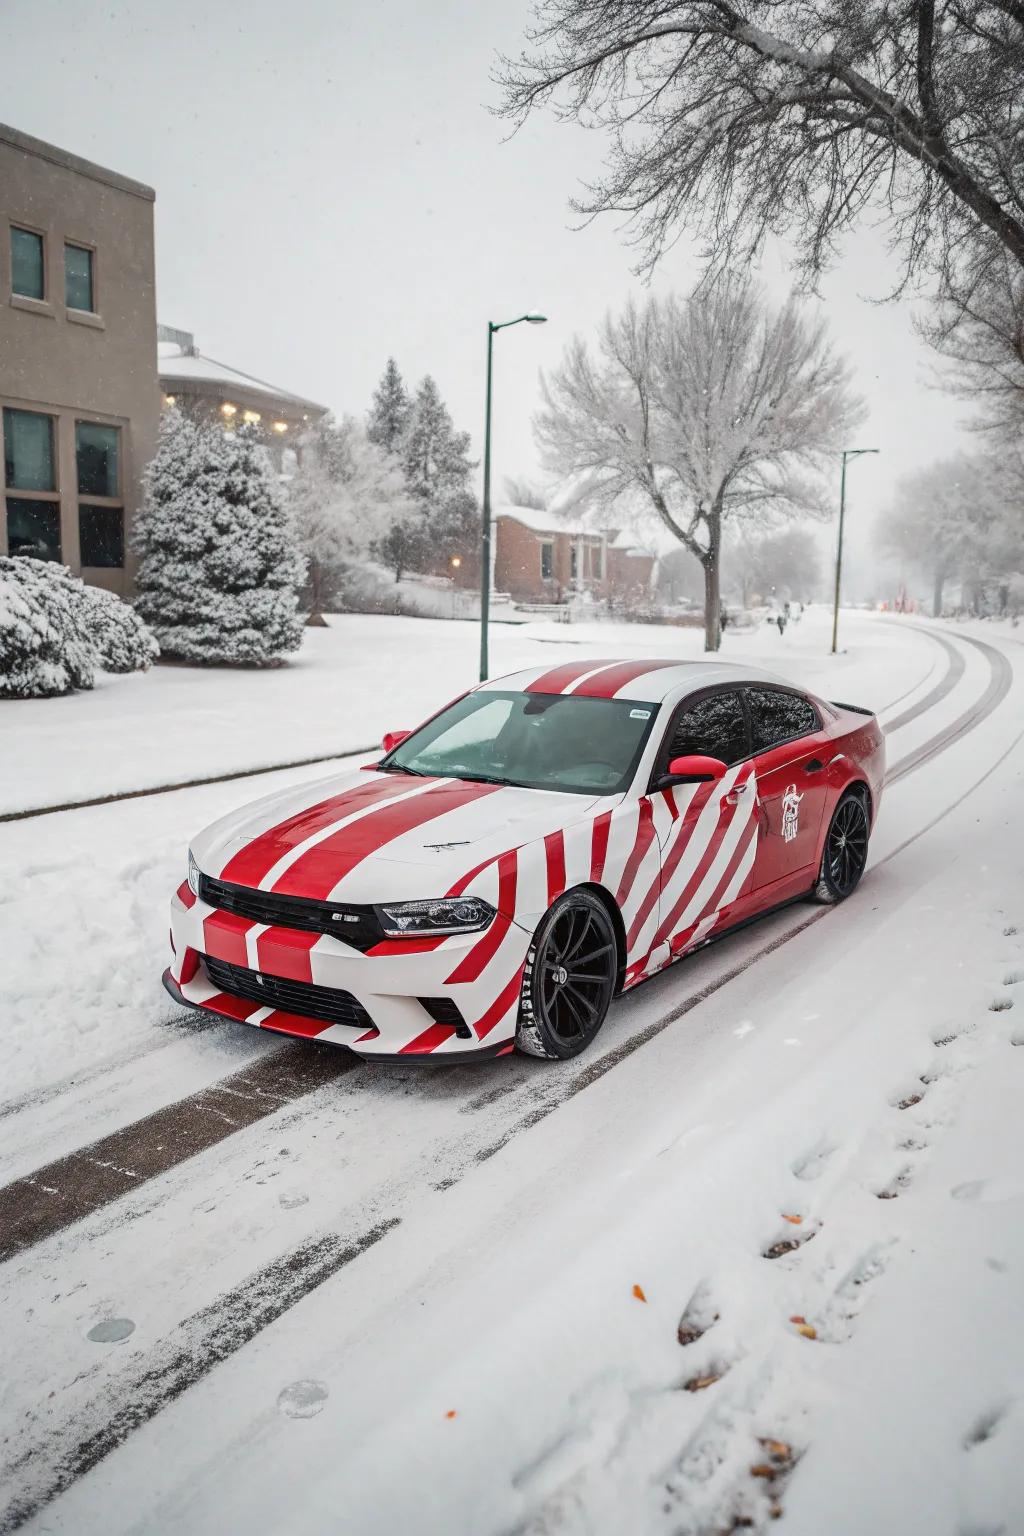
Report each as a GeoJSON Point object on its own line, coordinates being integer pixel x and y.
{"type": "Point", "coordinates": [569, 978]}
{"type": "Point", "coordinates": [846, 850]}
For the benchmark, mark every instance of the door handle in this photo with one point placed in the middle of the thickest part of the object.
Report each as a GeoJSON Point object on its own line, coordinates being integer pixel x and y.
{"type": "Point", "coordinates": [740, 793]}
{"type": "Point", "coordinates": [814, 766]}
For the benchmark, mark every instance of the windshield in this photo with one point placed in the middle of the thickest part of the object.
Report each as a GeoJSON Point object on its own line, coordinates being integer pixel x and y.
{"type": "Point", "coordinates": [533, 740]}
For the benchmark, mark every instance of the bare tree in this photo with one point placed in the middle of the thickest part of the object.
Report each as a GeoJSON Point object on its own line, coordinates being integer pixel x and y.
{"type": "Point", "coordinates": [960, 520]}
{"type": "Point", "coordinates": [523, 493]}
{"type": "Point", "coordinates": [348, 497]}
{"type": "Point", "coordinates": [740, 117]}
{"type": "Point", "coordinates": [784, 561]}
{"type": "Point", "coordinates": [701, 410]}
{"type": "Point", "coordinates": [978, 328]}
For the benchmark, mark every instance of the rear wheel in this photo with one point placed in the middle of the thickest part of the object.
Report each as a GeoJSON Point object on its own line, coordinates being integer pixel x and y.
{"type": "Point", "coordinates": [846, 850]}
{"type": "Point", "coordinates": [569, 978]}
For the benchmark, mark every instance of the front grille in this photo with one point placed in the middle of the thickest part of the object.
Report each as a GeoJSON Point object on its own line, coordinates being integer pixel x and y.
{"type": "Point", "coordinates": [300, 997]}
{"type": "Point", "coordinates": [356, 926]}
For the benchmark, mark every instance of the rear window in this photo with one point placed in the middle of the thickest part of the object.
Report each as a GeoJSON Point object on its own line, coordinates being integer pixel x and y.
{"type": "Point", "coordinates": [776, 716]}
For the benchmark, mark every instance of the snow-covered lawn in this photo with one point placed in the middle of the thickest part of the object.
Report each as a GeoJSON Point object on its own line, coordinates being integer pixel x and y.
{"type": "Point", "coordinates": [489, 1365]}
{"type": "Point", "coordinates": [362, 676]}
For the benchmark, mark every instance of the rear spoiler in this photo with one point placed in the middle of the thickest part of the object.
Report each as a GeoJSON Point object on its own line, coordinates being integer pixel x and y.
{"type": "Point", "coordinates": [857, 709]}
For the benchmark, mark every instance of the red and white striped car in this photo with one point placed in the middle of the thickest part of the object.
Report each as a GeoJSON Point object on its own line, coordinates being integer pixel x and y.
{"type": "Point", "coordinates": [546, 841]}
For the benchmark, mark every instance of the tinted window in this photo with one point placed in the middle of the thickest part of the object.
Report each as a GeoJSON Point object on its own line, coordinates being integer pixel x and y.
{"type": "Point", "coordinates": [27, 270]}
{"type": "Point", "coordinates": [776, 717]}
{"type": "Point", "coordinates": [101, 534]}
{"type": "Point", "coordinates": [77, 277]}
{"type": "Point", "coordinates": [714, 727]}
{"type": "Point", "coordinates": [33, 528]}
{"type": "Point", "coordinates": [96, 455]}
{"type": "Point", "coordinates": [28, 451]}
{"type": "Point", "coordinates": [547, 561]}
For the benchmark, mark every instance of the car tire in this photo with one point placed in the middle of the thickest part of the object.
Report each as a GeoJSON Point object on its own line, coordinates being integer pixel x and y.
{"type": "Point", "coordinates": [561, 1008]}
{"type": "Point", "coordinates": [845, 850]}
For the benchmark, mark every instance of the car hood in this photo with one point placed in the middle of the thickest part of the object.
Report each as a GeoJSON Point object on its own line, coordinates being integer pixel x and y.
{"type": "Point", "coordinates": [371, 837]}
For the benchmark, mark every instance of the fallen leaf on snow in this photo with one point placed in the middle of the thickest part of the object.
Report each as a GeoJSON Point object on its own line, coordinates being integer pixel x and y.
{"type": "Point", "coordinates": [796, 1220]}
{"type": "Point", "coordinates": [450, 1414]}
{"type": "Point", "coordinates": [638, 1292]}
{"type": "Point", "coordinates": [698, 1383]}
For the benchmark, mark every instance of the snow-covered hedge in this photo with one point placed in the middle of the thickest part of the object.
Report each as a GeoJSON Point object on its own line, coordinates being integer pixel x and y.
{"type": "Point", "coordinates": [55, 631]}
{"type": "Point", "coordinates": [123, 642]}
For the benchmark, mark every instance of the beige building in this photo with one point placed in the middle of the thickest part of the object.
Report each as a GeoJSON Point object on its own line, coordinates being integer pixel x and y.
{"type": "Point", "coordinates": [209, 390]}
{"type": "Point", "coordinates": [78, 380]}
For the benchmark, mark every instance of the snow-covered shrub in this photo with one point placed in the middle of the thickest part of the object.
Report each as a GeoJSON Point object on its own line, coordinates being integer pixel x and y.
{"type": "Point", "coordinates": [55, 631]}
{"type": "Point", "coordinates": [121, 640]}
{"type": "Point", "coordinates": [219, 566]}
{"type": "Point", "coordinates": [45, 646]}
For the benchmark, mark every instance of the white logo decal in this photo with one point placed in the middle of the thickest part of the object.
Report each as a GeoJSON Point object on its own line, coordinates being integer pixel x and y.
{"type": "Point", "coordinates": [790, 813]}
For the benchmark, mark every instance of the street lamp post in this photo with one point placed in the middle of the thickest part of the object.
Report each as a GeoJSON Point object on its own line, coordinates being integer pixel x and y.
{"type": "Point", "coordinates": [485, 550]}
{"type": "Point", "coordinates": [848, 453]}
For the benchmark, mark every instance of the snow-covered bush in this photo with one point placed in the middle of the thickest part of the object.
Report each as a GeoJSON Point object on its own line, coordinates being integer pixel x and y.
{"type": "Point", "coordinates": [219, 566]}
{"type": "Point", "coordinates": [122, 642]}
{"type": "Point", "coordinates": [55, 631]}
{"type": "Point", "coordinates": [45, 647]}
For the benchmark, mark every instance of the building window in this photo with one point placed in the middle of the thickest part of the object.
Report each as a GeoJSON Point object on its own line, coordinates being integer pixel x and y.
{"type": "Point", "coordinates": [33, 528]}
{"type": "Point", "coordinates": [597, 561]}
{"type": "Point", "coordinates": [547, 561]}
{"type": "Point", "coordinates": [96, 456]}
{"type": "Point", "coordinates": [78, 282]}
{"type": "Point", "coordinates": [28, 451]}
{"type": "Point", "coordinates": [573, 562]}
{"type": "Point", "coordinates": [28, 268]}
{"type": "Point", "coordinates": [101, 535]}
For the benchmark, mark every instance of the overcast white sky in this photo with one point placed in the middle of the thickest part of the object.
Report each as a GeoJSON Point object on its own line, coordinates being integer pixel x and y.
{"type": "Point", "coordinates": [331, 189]}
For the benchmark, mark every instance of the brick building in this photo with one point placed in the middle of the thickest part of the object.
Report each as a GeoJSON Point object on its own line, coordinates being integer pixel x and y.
{"type": "Point", "coordinates": [541, 558]}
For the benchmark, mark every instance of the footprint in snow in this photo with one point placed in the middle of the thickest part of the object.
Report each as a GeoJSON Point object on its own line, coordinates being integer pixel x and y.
{"type": "Point", "coordinates": [292, 1202]}
{"type": "Point", "coordinates": [302, 1399]}
{"type": "Point", "coordinates": [989, 1191]}
{"type": "Point", "coordinates": [811, 1165]}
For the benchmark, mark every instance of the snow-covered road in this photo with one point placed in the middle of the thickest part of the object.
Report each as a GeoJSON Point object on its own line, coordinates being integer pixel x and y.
{"type": "Point", "coordinates": [379, 1299]}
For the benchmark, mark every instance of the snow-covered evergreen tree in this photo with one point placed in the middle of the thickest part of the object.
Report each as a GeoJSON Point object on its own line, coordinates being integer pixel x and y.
{"type": "Point", "coordinates": [388, 420]}
{"type": "Point", "coordinates": [219, 564]}
{"type": "Point", "coordinates": [435, 456]}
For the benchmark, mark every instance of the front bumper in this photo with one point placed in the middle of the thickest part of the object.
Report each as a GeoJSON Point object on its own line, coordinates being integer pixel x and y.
{"type": "Point", "coordinates": [480, 973]}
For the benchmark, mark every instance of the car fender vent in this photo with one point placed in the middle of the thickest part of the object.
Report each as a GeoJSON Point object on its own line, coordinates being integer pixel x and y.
{"type": "Point", "coordinates": [444, 1011]}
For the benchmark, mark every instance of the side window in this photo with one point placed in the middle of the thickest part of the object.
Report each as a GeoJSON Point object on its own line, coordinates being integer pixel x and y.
{"type": "Point", "coordinates": [716, 726]}
{"type": "Point", "coordinates": [776, 717]}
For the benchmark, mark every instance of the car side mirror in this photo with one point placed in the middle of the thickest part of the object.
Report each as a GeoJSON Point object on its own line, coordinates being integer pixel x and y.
{"type": "Point", "coordinates": [695, 769]}
{"type": "Point", "coordinates": [393, 739]}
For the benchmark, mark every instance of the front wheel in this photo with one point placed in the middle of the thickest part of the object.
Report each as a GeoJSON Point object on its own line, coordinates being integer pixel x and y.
{"type": "Point", "coordinates": [846, 850]}
{"type": "Point", "coordinates": [569, 978]}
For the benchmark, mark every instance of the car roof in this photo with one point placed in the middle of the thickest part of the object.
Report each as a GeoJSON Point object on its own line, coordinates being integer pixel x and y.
{"type": "Point", "coordinates": [648, 679]}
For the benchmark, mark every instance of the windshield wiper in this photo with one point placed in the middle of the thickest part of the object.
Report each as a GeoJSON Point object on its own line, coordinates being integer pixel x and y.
{"type": "Point", "coordinates": [416, 773]}
{"type": "Point", "coordinates": [483, 778]}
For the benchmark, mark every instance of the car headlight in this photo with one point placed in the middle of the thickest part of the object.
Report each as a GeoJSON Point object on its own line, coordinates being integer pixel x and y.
{"type": "Point", "coordinates": [463, 914]}
{"type": "Point", "coordinates": [193, 874]}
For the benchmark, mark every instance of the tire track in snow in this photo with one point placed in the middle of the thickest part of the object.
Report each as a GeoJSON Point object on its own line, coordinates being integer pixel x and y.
{"type": "Point", "coordinates": [999, 683]}
{"type": "Point", "coordinates": [201, 1342]}
{"type": "Point", "coordinates": [954, 672]}
{"type": "Point", "coordinates": [45, 1202]}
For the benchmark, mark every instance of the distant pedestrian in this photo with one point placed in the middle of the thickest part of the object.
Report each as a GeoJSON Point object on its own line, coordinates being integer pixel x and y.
{"type": "Point", "coordinates": [723, 618]}
{"type": "Point", "coordinates": [780, 619]}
